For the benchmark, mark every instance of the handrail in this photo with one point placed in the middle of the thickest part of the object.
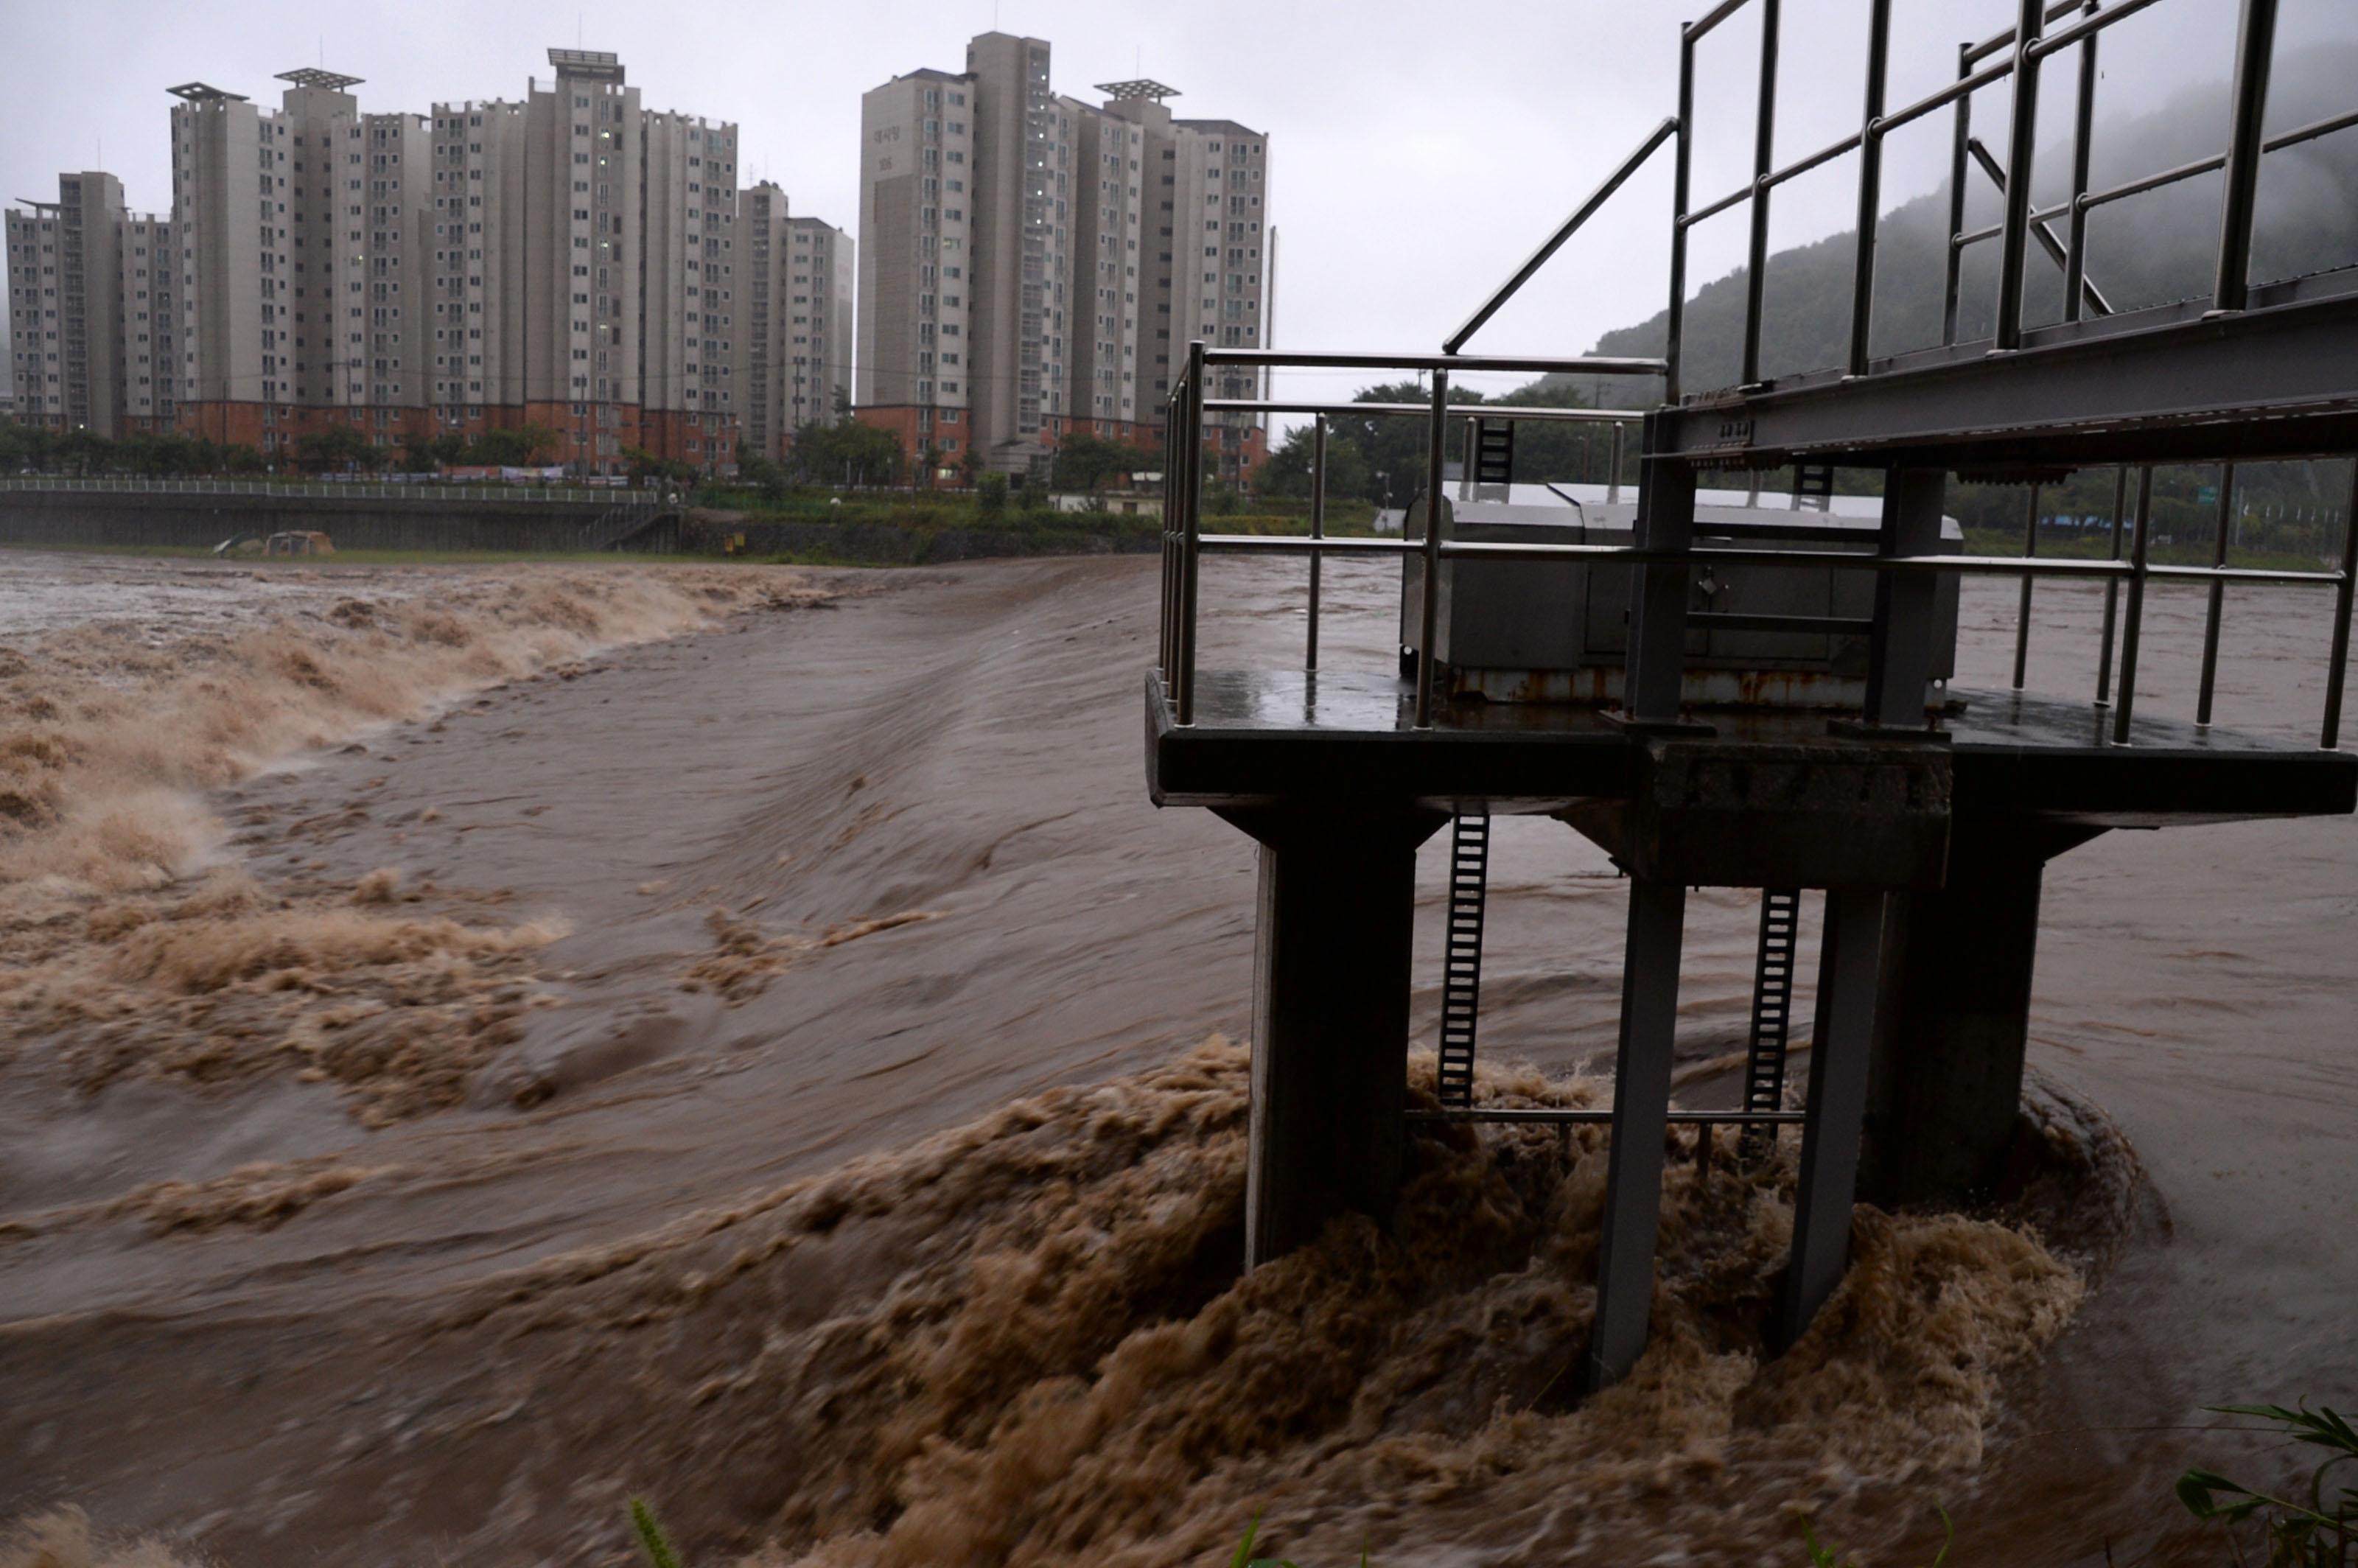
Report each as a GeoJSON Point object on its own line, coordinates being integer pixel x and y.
{"type": "Point", "coordinates": [1941, 98]}
{"type": "Point", "coordinates": [2004, 39]}
{"type": "Point", "coordinates": [1470, 410]}
{"type": "Point", "coordinates": [1730, 555]}
{"type": "Point", "coordinates": [1302, 359]}
{"type": "Point", "coordinates": [1586, 210]}
{"type": "Point", "coordinates": [2144, 183]}
{"type": "Point", "coordinates": [1713, 18]}
{"type": "Point", "coordinates": [2087, 26]}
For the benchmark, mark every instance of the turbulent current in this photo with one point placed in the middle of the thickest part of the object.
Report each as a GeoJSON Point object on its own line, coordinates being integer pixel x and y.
{"type": "Point", "coordinates": [485, 1044]}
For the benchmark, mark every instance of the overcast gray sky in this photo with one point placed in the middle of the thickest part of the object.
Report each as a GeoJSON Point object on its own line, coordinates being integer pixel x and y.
{"type": "Point", "coordinates": [1419, 150]}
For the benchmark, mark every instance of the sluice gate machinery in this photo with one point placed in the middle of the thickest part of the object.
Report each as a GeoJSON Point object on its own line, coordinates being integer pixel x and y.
{"type": "Point", "coordinates": [1745, 695]}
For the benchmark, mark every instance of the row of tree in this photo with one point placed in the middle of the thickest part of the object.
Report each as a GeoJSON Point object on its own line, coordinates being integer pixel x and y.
{"type": "Point", "coordinates": [1383, 458]}
{"type": "Point", "coordinates": [23, 446]}
{"type": "Point", "coordinates": [337, 448]}
{"type": "Point", "coordinates": [844, 453]}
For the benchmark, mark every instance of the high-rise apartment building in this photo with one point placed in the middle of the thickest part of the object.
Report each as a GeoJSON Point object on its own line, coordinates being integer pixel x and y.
{"type": "Point", "coordinates": [822, 270]}
{"type": "Point", "coordinates": [477, 318]}
{"type": "Point", "coordinates": [1022, 266]}
{"type": "Point", "coordinates": [581, 227]}
{"type": "Point", "coordinates": [916, 360]}
{"type": "Point", "coordinates": [1207, 208]}
{"type": "Point", "coordinates": [688, 289]}
{"type": "Point", "coordinates": [90, 302]}
{"type": "Point", "coordinates": [965, 256]}
{"type": "Point", "coordinates": [763, 245]}
{"type": "Point", "coordinates": [1032, 266]}
{"type": "Point", "coordinates": [795, 284]}
{"type": "Point", "coordinates": [303, 281]}
{"type": "Point", "coordinates": [229, 202]}
{"type": "Point", "coordinates": [387, 317]}
{"type": "Point", "coordinates": [1114, 269]}
{"type": "Point", "coordinates": [567, 260]}
{"type": "Point", "coordinates": [143, 297]}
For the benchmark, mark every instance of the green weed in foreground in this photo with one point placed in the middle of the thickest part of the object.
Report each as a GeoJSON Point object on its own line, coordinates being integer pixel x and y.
{"type": "Point", "coordinates": [651, 1536]}
{"type": "Point", "coordinates": [2315, 1534]}
{"type": "Point", "coordinates": [1245, 1559]}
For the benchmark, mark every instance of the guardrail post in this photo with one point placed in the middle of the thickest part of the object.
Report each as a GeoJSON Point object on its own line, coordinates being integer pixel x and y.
{"type": "Point", "coordinates": [2021, 147]}
{"type": "Point", "coordinates": [1169, 581]}
{"type": "Point", "coordinates": [1764, 147]}
{"type": "Point", "coordinates": [1612, 479]}
{"type": "Point", "coordinates": [2133, 621]}
{"type": "Point", "coordinates": [1870, 184]}
{"type": "Point", "coordinates": [2022, 610]}
{"type": "Point", "coordinates": [2256, 41]}
{"type": "Point", "coordinates": [1191, 519]}
{"type": "Point", "coordinates": [1317, 531]}
{"type": "Point", "coordinates": [1675, 322]}
{"type": "Point", "coordinates": [2218, 599]}
{"type": "Point", "coordinates": [2075, 242]}
{"type": "Point", "coordinates": [1655, 673]}
{"type": "Point", "coordinates": [2337, 666]}
{"type": "Point", "coordinates": [1428, 612]}
{"type": "Point", "coordinates": [2112, 591]}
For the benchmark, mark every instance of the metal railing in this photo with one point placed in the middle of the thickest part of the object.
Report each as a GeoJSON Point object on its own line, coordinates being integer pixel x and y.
{"type": "Point", "coordinates": [319, 490]}
{"type": "Point", "coordinates": [1185, 542]}
{"type": "Point", "coordinates": [2015, 52]}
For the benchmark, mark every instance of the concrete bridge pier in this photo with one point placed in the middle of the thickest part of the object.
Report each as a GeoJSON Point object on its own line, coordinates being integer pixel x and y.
{"type": "Point", "coordinates": [1331, 983]}
{"type": "Point", "coordinates": [1944, 1089]}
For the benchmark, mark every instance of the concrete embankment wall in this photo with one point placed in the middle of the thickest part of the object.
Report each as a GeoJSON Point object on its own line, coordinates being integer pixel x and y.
{"type": "Point", "coordinates": [133, 518]}
{"type": "Point", "coordinates": [372, 523]}
{"type": "Point", "coordinates": [893, 543]}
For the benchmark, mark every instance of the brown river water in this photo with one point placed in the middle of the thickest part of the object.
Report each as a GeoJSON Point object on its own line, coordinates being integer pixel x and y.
{"type": "Point", "coordinates": [484, 1044]}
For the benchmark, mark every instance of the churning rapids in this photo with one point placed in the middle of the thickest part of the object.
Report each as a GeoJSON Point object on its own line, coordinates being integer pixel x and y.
{"type": "Point", "coordinates": [484, 1044]}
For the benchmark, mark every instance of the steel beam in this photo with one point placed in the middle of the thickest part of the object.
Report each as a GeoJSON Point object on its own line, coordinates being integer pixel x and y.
{"type": "Point", "coordinates": [2169, 387]}
{"type": "Point", "coordinates": [1658, 604]}
{"type": "Point", "coordinates": [1899, 666]}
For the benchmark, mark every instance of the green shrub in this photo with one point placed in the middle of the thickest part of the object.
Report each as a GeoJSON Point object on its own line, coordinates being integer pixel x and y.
{"type": "Point", "coordinates": [2320, 1533]}
{"type": "Point", "coordinates": [656, 1544]}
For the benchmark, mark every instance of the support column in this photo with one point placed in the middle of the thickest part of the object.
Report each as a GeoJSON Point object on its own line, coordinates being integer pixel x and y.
{"type": "Point", "coordinates": [1330, 1018]}
{"type": "Point", "coordinates": [1641, 1102]}
{"type": "Point", "coordinates": [1655, 670]}
{"type": "Point", "coordinates": [1850, 979]}
{"type": "Point", "coordinates": [1906, 604]}
{"type": "Point", "coordinates": [1945, 1085]}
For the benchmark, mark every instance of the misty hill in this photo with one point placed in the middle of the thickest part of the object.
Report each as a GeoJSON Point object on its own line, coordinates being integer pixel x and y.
{"type": "Point", "coordinates": [2146, 249]}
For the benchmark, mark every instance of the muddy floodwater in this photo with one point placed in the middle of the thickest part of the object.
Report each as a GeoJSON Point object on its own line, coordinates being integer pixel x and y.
{"type": "Point", "coordinates": [484, 1044]}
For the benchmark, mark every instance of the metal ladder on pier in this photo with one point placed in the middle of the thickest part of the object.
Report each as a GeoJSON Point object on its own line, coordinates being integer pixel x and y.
{"type": "Point", "coordinates": [1461, 965]}
{"type": "Point", "coordinates": [1813, 482]}
{"type": "Point", "coordinates": [1494, 452]}
{"type": "Point", "coordinates": [1772, 1015]}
